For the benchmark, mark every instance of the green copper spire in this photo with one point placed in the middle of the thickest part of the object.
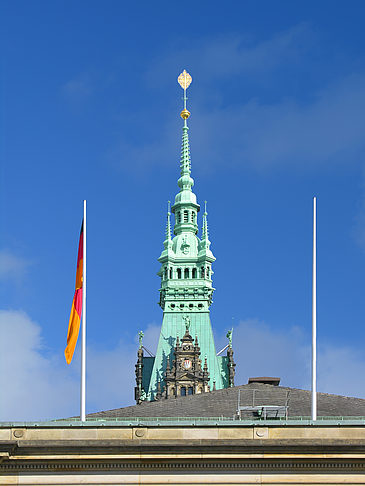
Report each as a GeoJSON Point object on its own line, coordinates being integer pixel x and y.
{"type": "Point", "coordinates": [185, 182]}
{"type": "Point", "coordinates": [186, 291]}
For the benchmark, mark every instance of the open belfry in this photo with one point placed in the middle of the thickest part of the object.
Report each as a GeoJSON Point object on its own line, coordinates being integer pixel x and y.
{"type": "Point", "coordinates": [186, 362]}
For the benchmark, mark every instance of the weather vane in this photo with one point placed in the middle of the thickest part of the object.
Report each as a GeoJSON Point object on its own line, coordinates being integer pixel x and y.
{"type": "Point", "coordinates": [184, 81]}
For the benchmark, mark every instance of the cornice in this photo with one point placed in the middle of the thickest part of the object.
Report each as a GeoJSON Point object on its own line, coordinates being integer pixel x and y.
{"type": "Point", "coordinates": [165, 447]}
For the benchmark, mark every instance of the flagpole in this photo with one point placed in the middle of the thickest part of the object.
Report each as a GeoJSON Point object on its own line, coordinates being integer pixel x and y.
{"type": "Point", "coordinates": [83, 327]}
{"type": "Point", "coordinates": [314, 314]}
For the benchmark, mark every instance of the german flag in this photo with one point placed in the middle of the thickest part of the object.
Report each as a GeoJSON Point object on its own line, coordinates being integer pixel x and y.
{"type": "Point", "coordinates": [74, 323]}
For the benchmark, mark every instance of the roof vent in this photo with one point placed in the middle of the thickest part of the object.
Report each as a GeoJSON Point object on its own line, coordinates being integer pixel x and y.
{"type": "Point", "coordinates": [266, 380]}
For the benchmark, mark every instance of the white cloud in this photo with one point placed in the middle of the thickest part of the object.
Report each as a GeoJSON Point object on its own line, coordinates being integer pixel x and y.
{"type": "Point", "coordinates": [229, 56]}
{"type": "Point", "coordinates": [37, 385]}
{"type": "Point", "coordinates": [324, 131]}
{"type": "Point", "coordinates": [111, 378]}
{"type": "Point", "coordinates": [12, 267]}
{"type": "Point", "coordinates": [33, 385]}
{"type": "Point", "coordinates": [78, 88]}
{"type": "Point", "coordinates": [261, 350]}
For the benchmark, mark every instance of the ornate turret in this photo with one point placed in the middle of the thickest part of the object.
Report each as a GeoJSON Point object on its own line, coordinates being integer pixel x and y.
{"type": "Point", "coordinates": [138, 391]}
{"type": "Point", "coordinates": [186, 291]}
{"type": "Point", "coordinates": [230, 362]}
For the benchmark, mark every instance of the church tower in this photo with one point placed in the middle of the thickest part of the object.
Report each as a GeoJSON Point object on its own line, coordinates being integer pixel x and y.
{"type": "Point", "coordinates": [186, 338]}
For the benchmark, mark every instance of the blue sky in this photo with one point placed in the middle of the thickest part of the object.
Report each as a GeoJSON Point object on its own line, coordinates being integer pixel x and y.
{"type": "Point", "coordinates": [90, 109]}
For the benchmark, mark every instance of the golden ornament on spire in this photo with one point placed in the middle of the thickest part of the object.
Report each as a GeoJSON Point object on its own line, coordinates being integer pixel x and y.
{"type": "Point", "coordinates": [184, 80]}
{"type": "Point", "coordinates": [185, 114]}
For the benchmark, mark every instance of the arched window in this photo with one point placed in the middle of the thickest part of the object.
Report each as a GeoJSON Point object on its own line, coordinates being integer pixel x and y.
{"type": "Point", "coordinates": [186, 216]}
{"type": "Point", "coordinates": [194, 272]}
{"type": "Point", "coordinates": [207, 272]}
{"type": "Point", "coordinates": [202, 274]}
{"type": "Point", "coordinates": [166, 273]}
{"type": "Point", "coordinates": [172, 391]}
{"type": "Point", "coordinates": [183, 391]}
{"type": "Point", "coordinates": [179, 273]}
{"type": "Point", "coordinates": [170, 272]}
{"type": "Point", "coordinates": [186, 273]}
{"type": "Point", "coordinates": [190, 390]}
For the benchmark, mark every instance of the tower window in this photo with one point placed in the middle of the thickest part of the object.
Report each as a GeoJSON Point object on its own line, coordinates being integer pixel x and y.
{"type": "Point", "coordinates": [186, 273]}
{"type": "Point", "coordinates": [183, 391]}
{"type": "Point", "coordinates": [207, 272]}
{"type": "Point", "coordinates": [179, 273]}
{"type": "Point", "coordinates": [170, 272]}
{"type": "Point", "coordinates": [202, 273]}
{"type": "Point", "coordinates": [190, 390]}
{"type": "Point", "coordinates": [192, 216]}
{"type": "Point", "coordinates": [186, 216]}
{"type": "Point", "coordinates": [194, 272]}
{"type": "Point", "coordinates": [179, 217]}
{"type": "Point", "coordinates": [166, 272]}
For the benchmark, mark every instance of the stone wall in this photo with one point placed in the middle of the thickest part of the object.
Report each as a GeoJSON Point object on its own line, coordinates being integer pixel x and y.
{"type": "Point", "coordinates": [159, 455]}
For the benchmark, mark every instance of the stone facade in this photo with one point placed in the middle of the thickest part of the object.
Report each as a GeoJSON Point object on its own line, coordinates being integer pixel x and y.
{"type": "Point", "coordinates": [107, 453]}
{"type": "Point", "coordinates": [186, 376]}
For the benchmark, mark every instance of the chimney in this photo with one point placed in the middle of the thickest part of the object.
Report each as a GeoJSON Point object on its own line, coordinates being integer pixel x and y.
{"type": "Point", "coordinates": [265, 380]}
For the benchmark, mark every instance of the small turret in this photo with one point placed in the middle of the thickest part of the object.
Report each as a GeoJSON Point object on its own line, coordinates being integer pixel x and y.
{"type": "Point", "coordinates": [138, 391]}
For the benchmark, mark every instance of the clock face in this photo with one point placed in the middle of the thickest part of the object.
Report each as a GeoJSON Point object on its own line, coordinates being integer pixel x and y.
{"type": "Point", "coordinates": [187, 364]}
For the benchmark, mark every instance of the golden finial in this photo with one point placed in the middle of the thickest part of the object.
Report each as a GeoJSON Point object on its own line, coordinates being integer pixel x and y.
{"type": "Point", "coordinates": [184, 81]}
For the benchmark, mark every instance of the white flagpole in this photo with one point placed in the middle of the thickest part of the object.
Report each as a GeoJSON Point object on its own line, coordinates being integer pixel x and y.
{"type": "Point", "coordinates": [83, 327]}
{"type": "Point", "coordinates": [314, 314]}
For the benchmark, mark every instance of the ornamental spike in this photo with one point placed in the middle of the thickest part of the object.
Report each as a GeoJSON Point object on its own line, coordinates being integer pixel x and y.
{"type": "Point", "coordinates": [168, 224]}
{"type": "Point", "coordinates": [205, 235]}
{"type": "Point", "coordinates": [168, 242]}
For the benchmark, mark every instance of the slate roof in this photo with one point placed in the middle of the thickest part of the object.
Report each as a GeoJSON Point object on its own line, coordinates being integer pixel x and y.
{"type": "Point", "coordinates": [223, 403]}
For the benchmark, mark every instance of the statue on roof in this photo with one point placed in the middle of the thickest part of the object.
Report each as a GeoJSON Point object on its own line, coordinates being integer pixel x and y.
{"type": "Point", "coordinates": [229, 337]}
{"type": "Point", "coordinates": [187, 322]}
{"type": "Point", "coordinates": [140, 337]}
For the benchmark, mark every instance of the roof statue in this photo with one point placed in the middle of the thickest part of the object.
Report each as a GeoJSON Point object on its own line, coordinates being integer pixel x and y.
{"type": "Point", "coordinates": [187, 322]}
{"type": "Point", "coordinates": [186, 294]}
{"type": "Point", "coordinates": [140, 338]}
{"type": "Point", "coordinates": [229, 336]}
